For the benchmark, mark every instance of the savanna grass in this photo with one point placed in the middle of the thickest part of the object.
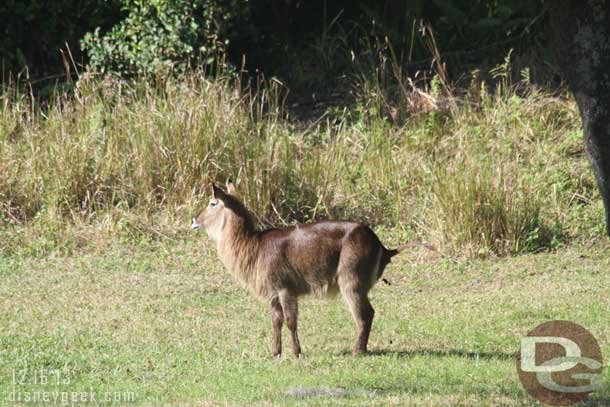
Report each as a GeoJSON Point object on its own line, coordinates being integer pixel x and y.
{"type": "Point", "coordinates": [496, 173]}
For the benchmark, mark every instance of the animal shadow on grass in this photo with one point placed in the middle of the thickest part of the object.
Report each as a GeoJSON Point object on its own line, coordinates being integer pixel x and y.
{"type": "Point", "coordinates": [439, 353]}
{"type": "Point", "coordinates": [602, 401]}
{"type": "Point", "coordinates": [599, 400]}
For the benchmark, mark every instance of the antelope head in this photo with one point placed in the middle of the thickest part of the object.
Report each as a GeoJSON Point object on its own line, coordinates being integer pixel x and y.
{"type": "Point", "coordinates": [219, 211]}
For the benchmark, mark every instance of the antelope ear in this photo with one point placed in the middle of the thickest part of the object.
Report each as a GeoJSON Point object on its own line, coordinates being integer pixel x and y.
{"type": "Point", "coordinates": [217, 192]}
{"type": "Point", "coordinates": [231, 188]}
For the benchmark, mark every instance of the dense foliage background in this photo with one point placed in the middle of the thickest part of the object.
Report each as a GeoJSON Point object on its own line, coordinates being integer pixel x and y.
{"type": "Point", "coordinates": [148, 36]}
{"type": "Point", "coordinates": [34, 31]}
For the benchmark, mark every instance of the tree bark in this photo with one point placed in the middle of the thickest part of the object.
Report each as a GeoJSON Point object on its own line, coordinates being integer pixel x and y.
{"type": "Point", "coordinates": [580, 36]}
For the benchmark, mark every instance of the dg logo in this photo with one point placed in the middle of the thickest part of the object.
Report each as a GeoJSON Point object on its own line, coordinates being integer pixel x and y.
{"type": "Point", "coordinates": [560, 363]}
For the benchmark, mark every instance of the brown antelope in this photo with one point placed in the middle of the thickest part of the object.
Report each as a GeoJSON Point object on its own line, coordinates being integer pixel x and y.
{"type": "Point", "coordinates": [280, 265]}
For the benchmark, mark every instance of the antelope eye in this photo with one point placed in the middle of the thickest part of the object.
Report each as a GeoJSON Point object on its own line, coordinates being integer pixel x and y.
{"type": "Point", "coordinates": [213, 203]}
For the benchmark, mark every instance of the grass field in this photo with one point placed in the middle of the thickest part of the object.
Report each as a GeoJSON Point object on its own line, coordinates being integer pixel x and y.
{"type": "Point", "coordinates": [162, 323]}
{"type": "Point", "coordinates": [103, 290]}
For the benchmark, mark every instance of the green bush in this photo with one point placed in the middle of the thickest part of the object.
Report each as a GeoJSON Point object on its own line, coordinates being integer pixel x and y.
{"type": "Point", "coordinates": [163, 36]}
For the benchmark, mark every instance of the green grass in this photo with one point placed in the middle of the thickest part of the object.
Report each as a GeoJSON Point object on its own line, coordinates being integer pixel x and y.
{"type": "Point", "coordinates": [163, 321]}
{"type": "Point", "coordinates": [101, 279]}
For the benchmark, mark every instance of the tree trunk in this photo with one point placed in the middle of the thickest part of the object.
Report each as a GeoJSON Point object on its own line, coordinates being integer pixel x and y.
{"type": "Point", "coordinates": [580, 33]}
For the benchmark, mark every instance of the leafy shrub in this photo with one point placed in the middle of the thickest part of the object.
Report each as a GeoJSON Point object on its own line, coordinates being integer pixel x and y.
{"type": "Point", "coordinates": [163, 36]}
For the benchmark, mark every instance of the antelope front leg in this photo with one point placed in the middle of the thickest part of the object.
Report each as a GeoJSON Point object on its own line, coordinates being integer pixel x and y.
{"type": "Point", "coordinates": [291, 312]}
{"type": "Point", "coordinates": [277, 317]}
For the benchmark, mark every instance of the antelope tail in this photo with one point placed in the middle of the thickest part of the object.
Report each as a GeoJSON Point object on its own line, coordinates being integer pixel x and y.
{"type": "Point", "coordinates": [389, 253]}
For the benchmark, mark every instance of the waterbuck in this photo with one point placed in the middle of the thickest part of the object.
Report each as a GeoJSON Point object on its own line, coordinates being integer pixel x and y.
{"type": "Point", "coordinates": [279, 265]}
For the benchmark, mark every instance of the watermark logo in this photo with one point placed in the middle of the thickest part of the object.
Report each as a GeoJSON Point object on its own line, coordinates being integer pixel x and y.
{"type": "Point", "coordinates": [54, 386]}
{"type": "Point", "coordinates": [560, 363]}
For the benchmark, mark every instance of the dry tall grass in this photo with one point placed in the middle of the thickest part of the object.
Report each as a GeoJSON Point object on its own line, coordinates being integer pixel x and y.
{"type": "Point", "coordinates": [491, 173]}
